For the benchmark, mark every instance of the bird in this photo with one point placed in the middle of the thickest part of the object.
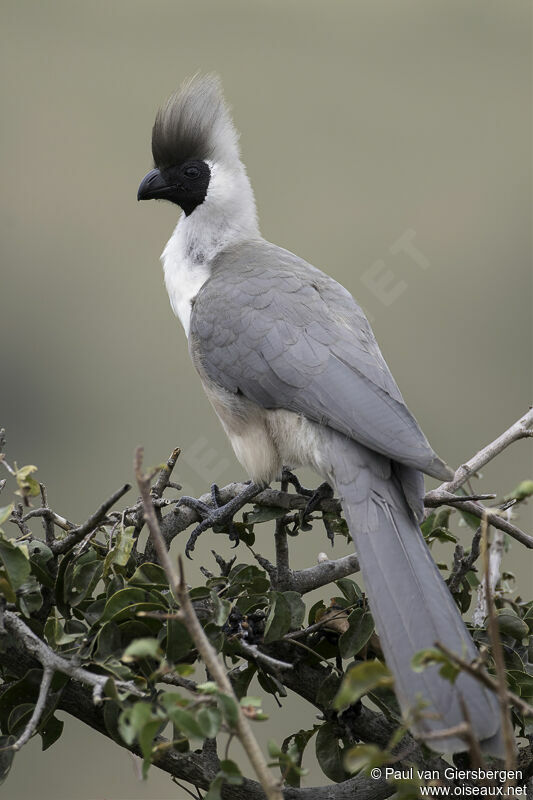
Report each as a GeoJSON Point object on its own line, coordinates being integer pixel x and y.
{"type": "Point", "coordinates": [292, 369]}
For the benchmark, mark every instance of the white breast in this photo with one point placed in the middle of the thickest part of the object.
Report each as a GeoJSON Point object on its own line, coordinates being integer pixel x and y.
{"type": "Point", "coordinates": [183, 279]}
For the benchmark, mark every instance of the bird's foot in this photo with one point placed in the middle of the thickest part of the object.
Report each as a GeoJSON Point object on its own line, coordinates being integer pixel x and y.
{"type": "Point", "coordinates": [289, 477]}
{"type": "Point", "coordinates": [322, 492]}
{"type": "Point", "coordinates": [217, 514]}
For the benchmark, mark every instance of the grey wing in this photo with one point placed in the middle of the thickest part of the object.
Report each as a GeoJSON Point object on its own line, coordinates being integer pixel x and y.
{"type": "Point", "coordinates": [285, 335]}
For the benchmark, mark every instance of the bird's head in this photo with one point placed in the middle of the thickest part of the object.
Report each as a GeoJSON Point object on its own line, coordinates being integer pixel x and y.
{"type": "Point", "coordinates": [193, 141]}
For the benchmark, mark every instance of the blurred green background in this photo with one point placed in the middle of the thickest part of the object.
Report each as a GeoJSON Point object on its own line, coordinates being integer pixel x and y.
{"type": "Point", "coordinates": [362, 123]}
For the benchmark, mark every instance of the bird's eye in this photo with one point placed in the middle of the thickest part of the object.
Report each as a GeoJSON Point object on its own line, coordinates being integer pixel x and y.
{"type": "Point", "coordinates": [191, 172]}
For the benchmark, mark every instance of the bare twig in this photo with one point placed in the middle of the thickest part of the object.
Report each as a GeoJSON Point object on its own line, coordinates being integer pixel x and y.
{"type": "Point", "coordinates": [253, 652]}
{"type": "Point", "coordinates": [521, 429]}
{"type": "Point", "coordinates": [497, 654]}
{"type": "Point", "coordinates": [206, 651]}
{"type": "Point", "coordinates": [164, 476]}
{"type": "Point", "coordinates": [46, 512]}
{"type": "Point", "coordinates": [440, 497]}
{"type": "Point", "coordinates": [477, 671]}
{"type": "Point", "coordinates": [94, 521]}
{"type": "Point", "coordinates": [495, 559]}
{"type": "Point", "coordinates": [444, 494]}
{"type": "Point", "coordinates": [33, 722]}
{"type": "Point", "coordinates": [474, 750]}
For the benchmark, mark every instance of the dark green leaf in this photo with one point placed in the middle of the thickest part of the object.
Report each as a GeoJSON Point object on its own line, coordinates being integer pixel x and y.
{"type": "Point", "coordinates": [240, 680]}
{"type": "Point", "coordinates": [361, 628]}
{"type": "Point", "coordinates": [229, 709]}
{"type": "Point", "coordinates": [278, 622]}
{"type": "Point", "coordinates": [209, 720]}
{"type": "Point", "coordinates": [330, 753]}
{"type": "Point", "coordinates": [142, 648]}
{"type": "Point", "coordinates": [16, 561]}
{"type": "Point", "coordinates": [350, 590]}
{"type": "Point", "coordinates": [359, 680]}
{"type": "Point", "coordinates": [50, 731]}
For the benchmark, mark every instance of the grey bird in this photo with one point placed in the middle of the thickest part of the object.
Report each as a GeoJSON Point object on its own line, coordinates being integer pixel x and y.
{"type": "Point", "coordinates": [293, 371]}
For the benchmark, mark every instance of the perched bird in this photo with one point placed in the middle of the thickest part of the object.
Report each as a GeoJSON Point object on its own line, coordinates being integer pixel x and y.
{"type": "Point", "coordinates": [292, 368]}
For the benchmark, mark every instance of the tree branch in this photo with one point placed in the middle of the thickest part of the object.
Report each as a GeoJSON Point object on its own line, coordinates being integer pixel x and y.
{"type": "Point", "coordinates": [521, 429]}
{"type": "Point", "coordinates": [209, 657]}
{"type": "Point", "coordinates": [33, 722]}
{"type": "Point", "coordinates": [52, 661]}
{"type": "Point", "coordinates": [96, 519]}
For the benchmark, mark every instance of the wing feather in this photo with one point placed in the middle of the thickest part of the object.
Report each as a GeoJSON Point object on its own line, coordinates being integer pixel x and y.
{"type": "Point", "coordinates": [286, 335]}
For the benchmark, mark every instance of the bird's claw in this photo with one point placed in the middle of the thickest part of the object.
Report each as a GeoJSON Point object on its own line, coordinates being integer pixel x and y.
{"type": "Point", "coordinates": [218, 514]}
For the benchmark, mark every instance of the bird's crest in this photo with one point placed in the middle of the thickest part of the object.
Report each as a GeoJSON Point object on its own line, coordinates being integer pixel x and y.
{"type": "Point", "coordinates": [194, 123]}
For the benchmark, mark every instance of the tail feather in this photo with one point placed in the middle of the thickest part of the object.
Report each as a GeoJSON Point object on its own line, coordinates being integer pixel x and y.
{"type": "Point", "coordinates": [410, 602]}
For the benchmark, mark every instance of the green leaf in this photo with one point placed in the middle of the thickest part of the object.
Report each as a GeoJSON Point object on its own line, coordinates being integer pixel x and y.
{"type": "Point", "coordinates": [50, 731]}
{"type": "Point", "coordinates": [179, 644]}
{"type": "Point", "coordinates": [81, 576]}
{"type": "Point", "coordinates": [186, 722]}
{"type": "Point", "coordinates": [150, 576]}
{"type": "Point", "coordinates": [319, 606]}
{"type": "Point", "coordinates": [142, 648]}
{"type": "Point", "coordinates": [125, 604]}
{"type": "Point", "coordinates": [209, 720]}
{"type": "Point", "coordinates": [330, 753]}
{"type": "Point", "coordinates": [229, 773]}
{"type": "Point", "coordinates": [364, 756]}
{"type": "Point", "coordinates": [278, 622]}
{"type": "Point", "coordinates": [5, 512]}
{"type": "Point", "coordinates": [108, 642]}
{"type": "Point", "coordinates": [221, 609]}
{"type": "Point", "coordinates": [28, 486]}
{"type": "Point", "coordinates": [431, 656]}
{"type": "Point", "coordinates": [40, 558]}
{"type": "Point", "coordinates": [297, 609]}
{"type": "Point", "coordinates": [19, 717]}
{"type": "Point", "coordinates": [327, 690]}
{"type": "Point", "coordinates": [361, 628]}
{"type": "Point", "coordinates": [520, 492]}
{"type": "Point", "coordinates": [140, 723]}
{"type": "Point", "coordinates": [55, 635]}
{"type": "Point", "coordinates": [241, 678]}
{"type": "Point", "coordinates": [350, 590]}
{"type": "Point", "coordinates": [16, 561]}
{"type": "Point", "coordinates": [215, 788]}
{"type": "Point", "coordinates": [294, 745]}
{"type": "Point", "coordinates": [510, 624]}
{"type": "Point", "coordinates": [229, 709]}
{"type": "Point", "coordinates": [120, 554]}
{"type": "Point", "coordinates": [359, 680]}
{"type": "Point", "coordinates": [522, 683]}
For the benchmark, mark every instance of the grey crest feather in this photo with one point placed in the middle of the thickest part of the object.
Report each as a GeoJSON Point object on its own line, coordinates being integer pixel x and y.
{"type": "Point", "coordinates": [195, 122]}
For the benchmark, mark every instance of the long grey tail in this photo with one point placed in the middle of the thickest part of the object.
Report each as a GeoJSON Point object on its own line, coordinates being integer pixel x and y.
{"type": "Point", "coordinates": [411, 605]}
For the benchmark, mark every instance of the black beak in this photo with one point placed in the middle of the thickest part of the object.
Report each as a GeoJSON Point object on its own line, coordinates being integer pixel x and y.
{"type": "Point", "coordinates": [154, 187]}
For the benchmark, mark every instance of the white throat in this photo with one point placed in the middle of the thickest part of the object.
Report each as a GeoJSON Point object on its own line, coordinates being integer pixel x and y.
{"type": "Point", "coordinates": [226, 217]}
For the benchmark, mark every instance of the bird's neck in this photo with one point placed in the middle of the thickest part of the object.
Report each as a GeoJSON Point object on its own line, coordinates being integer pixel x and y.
{"type": "Point", "coordinates": [226, 217]}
